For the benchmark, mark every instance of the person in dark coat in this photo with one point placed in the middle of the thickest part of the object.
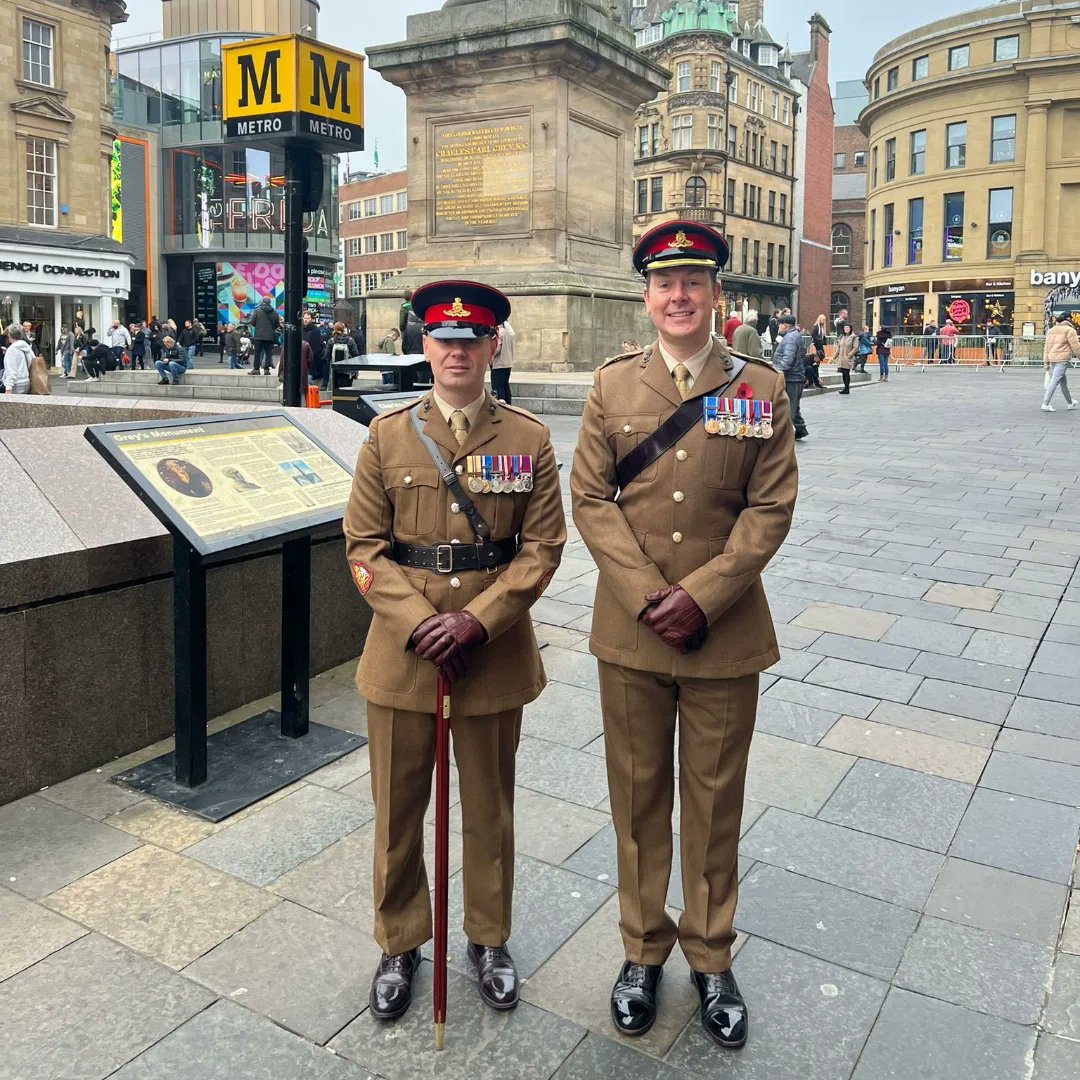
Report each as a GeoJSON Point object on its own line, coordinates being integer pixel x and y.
{"type": "Point", "coordinates": [311, 333]}
{"type": "Point", "coordinates": [412, 340]}
{"type": "Point", "coordinates": [265, 325]}
{"type": "Point", "coordinates": [341, 346]}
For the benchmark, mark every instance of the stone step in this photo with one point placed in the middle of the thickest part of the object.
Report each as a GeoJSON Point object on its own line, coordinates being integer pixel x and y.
{"type": "Point", "coordinates": [198, 377]}
{"type": "Point", "coordinates": [203, 391]}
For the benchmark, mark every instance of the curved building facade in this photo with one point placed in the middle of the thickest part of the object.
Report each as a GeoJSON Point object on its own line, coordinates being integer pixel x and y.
{"type": "Point", "coordinates": [973, 187]}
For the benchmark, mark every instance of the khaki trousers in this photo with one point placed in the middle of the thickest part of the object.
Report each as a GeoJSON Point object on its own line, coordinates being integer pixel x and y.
{"type": "Point", "coordinates": [716, 722]}
{"type": "Point", "coordinates": [402, 750]}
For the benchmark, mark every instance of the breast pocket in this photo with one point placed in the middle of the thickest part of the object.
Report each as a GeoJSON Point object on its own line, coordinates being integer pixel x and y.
{"type": "Point", "coordinates": [414, 494]}
{"type": "Point", "coordinates": [624, 432]}
{"type": "Point", "coordinates": [728, 461]}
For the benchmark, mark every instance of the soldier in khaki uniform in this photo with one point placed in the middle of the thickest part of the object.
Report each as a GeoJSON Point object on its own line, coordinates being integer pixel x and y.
{"type": "Point", "coordinates": [681, 627]}
{"type": "Point", "coordinates": [441, 599]}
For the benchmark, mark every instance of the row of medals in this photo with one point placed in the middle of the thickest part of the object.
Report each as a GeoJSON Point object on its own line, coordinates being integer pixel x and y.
{"type": "Point", "coordinates": [498, 473]}
{"type": "Point", "coordinates": [743, 419]}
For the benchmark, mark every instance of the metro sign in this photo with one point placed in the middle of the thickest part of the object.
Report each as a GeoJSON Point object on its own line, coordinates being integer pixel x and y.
{"type": "Point", "coordinates": [293, 86]}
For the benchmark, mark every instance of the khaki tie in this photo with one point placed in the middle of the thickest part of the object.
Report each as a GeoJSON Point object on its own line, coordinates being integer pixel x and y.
{"type": "Point", "coordinates": [459, 425]}
{"type": "Point", "coordinates": [682, 380]}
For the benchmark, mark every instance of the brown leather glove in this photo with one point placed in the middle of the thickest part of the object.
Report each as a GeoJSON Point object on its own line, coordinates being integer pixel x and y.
{"type": "Point", "coordinates": [673, 615]}
{"type": "Point", "coordinates": [445, 639]}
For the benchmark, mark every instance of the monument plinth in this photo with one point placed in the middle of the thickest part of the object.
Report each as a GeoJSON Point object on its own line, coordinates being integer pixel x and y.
{"type": "Point", "coordinates": [520, 143]}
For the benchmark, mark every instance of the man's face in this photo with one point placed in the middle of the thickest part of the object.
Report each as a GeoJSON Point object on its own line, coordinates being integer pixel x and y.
{"type": "Point", "coordinates": [26, 327]}
{"type": "Point", "coordinates": [843, 314]}
{"type": "Point", "coordinates": [459, 364]}
{"type": "Point", "coordinates": [307, 318]}
{"type": "Point", "coordinates": [679, 302]}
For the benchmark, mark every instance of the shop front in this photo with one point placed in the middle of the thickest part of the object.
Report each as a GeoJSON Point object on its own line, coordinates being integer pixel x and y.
{"type": "Point", "coordinates": [55, 286]}
{"type": "Point", "coordinates": [976, 304]}
{"type": "Point", "coordinates": [901, 306]}
{"type": "Point", "coordinates": [1054, 293]}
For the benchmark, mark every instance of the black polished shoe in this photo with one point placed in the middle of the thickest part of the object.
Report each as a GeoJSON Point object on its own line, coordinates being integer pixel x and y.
{"type": "Point", "coordinates": [723, 1011]}
{"type": "Point", "coordinates": [391, 989]}
{"type": "Point", "coordinates": [496, 975]}
{"type": "Point", "coordinates": [633, 997]}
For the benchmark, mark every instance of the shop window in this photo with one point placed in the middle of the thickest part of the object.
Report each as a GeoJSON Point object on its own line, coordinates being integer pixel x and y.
{"type": "Point", "coordinates": [1006, 48]}
{"type": "Point", "coordinates": [656, 195]}
{"type": "Point", "coordinates": [41, 182]}
{"type": "Point", "coordinates": [918, 153]}
{"type": "Point", "coordinates": [920, 68]}
{"type": "Point", "coordinates": [956, 145]}
{"type": "Point", "coordinates": [1000, 218]}
{"type": "Point", "coordinates": [1003, 138]}
{"type": "Point", "coordinates": [890, 160]}
{"type": "Point", "coordinates": [682, 132]}
{"type": "Point", "coordinates": [959, 57]}
{"type": "Point", "coordinates": [695, 192]}
{"type": "Point", "coordinates": [915, 231]}
{"type": "Point", "coordinates": [954, 227]}
{"type": "Point", "coordinates": [642, 197]}
{"type": "Point", "coordinates": [37, 52]}
{"type": "Point", "coordinates": [841, 245]}
{"type": "Point", "coordinates": [888, 220]}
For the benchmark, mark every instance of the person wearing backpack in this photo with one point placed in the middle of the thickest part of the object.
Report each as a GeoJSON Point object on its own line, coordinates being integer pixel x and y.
{"type": "Point", "coordinates": [341, 346]}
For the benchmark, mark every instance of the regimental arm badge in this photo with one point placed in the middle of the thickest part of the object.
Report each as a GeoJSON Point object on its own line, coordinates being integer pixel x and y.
{"type": "Point", "coordinates": [363, 577]}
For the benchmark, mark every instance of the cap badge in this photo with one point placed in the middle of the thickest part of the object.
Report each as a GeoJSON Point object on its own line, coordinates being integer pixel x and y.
{"type": "Point", "coordinates": [456, 311]}
{"type": "Point", "coordinates": [682, 240]}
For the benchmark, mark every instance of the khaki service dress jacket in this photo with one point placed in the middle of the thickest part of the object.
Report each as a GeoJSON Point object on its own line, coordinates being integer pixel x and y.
{"type": "Point", "coordinates": [708, 515]}
{"type": "Point", "coordinates": [397, 494]}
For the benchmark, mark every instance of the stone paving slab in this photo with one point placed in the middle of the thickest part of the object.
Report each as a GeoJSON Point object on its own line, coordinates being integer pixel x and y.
{"type": "Point", "coordinates": [30, 933]}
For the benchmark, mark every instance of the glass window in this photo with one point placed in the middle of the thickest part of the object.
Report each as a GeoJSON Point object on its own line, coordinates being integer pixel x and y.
{"type": "Point", "coordinates": [780, 257]}
{"type": "Point", "coordinates": [732, 139]}
{"type": "Point", "coordinates": [371, 244]}
{"type": "Point", "coordinates": [877, 88]}
{"type": "Point", "coordinates": [386, 241]}
{"type": "Point", "coordinates": [956, 145]}
{"type": "Point", "coordinates": [716, 75]}
{"type": "Point", "coordinates": [774, 108]}
{"type": "Point", "coordinates": [370, 206]}
{"type": "Point", "coordinates": [839, 161]}
{"type": "Point", "coordinates": [371, 281]}
{"type": "Point", "coordinates": [713, 132]}
{"type": "Point", "coordinates": [171, 110]}
{"type": "Point", "coordinates": [859, 160]}
{"type": "Point", "coordinates": [642, 197]}
{"type": "Point", "coordinates": [1007, 48]}
{"type": "Point", "coordinates": [783, 209]}
{"type": "Point", "coordinates": [890, 159]}
{"type": "Point", "coordinates": [888, 220]}
{"type": "Point", "coordinates": [756, 97]}
{"type": "Point", "coordinates": [385, 276]}
{"type": "Point", "coordinates": [841, 245]}
{"type": "Point", "coordinates": [784, 160]}
{"type": "Point", "coordinates": [892, 79]}
{"type": "Point", "coordinates": [915, 231]}
{"type": "Point", "coordinates": [920, 68]}
{"type": "Point", "coordinates": [918, 153]}
{"type": "Point", "coordinates": [770, 255]}
{"type": "Point", "coordinates": [786, 117]}
{"type": "Point", "coordinates": [354, 211]}
{"type": "Point", "coordinates": [401, 239]}
{"type": "Point", "coordinates": [1003, 138]}
{"type": "Point", "coordinates": [352, 283]}
{"type": "Point", "coordinates": [745, 252]}
{"type": "Point", "coordinates": [959, 57]}
{"type": "Point", "coordinates": [745, 197]}
{"type": "Point", "coordinates": [37, 52]}
{"type": "Point", "coordinates": [354, 245]}
{"type": "Point", "coordinates": [757, 257]}
{"type": "Point", "coordinates": [729, 196]}
{"type": "Point", "coordinates": [1000, 217]}
{"type": "Point", "coordinates": [401, 201]}
{"type": "Point", "coordinates": [695, 192]}
{"type": "Point", "coordinates": [682, 132]}
{"type": "Point", "coordinates": [733, 88]}
{"type": "Point", "coordinates": [654, 135]}
{"type": "Point", "coordinates": [682, 76]}
{"type": "Point", "coordinates": [772, 205]}
{"type": "Point", "coordinates": [772, 155]}
{"type": "Point", "coordinates": [873, 171]}
{"type": "Point", "coordinates": [656, 195]}
{"type": "Point", "coordinates": [386, 204]}
{"type": "Point", "coordinates": [643, 140]}
{"type": "Point", "coordinates": [41, 182]}
{"type": "Point", "coordinates": [873, 238]}
{"type": "Point", "coordinates": [954, 227]}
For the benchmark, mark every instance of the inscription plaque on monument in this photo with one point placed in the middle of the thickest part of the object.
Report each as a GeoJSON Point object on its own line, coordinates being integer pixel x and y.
{"type": "Point", "coordinates": [482, 177]}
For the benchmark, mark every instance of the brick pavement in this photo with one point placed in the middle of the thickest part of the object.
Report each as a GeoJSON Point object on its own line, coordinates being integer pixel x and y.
{"type": "Point", "coordinates": [909, 834]}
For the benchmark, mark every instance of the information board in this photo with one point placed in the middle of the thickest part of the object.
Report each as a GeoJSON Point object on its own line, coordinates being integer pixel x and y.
{"type": "Point", "coordinates": [483, 177]}
{"type": "Point", "coordinates": [225, 483]}
{"type": "Point", "coordinates": [206, 305]}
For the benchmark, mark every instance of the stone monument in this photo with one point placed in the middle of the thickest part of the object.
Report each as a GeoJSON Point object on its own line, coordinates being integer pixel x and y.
{"type": "Point", "coordinates": [520, 147]}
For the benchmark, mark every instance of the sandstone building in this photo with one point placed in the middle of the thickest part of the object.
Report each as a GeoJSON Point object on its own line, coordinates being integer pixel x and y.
{"type": "Point", "coordinates": [850, 153]}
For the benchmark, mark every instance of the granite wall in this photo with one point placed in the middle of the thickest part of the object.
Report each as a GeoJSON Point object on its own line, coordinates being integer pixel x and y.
{"type": "Point", "coordinates": [86, 608]}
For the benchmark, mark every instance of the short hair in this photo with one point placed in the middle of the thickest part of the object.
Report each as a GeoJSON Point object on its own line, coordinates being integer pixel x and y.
{"type": "Point", "coordinates": [1063, 317]}
{"type": "Point", "coordinates": [15, 332]}
{"type": "Point", "coordinates": [787, 319]}
{"type": "Point", "coordinates": [751, 316]}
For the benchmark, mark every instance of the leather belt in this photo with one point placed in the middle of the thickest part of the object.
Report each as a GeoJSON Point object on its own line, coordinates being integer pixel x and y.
{"type": "Point", "coordinates": [448, 558]}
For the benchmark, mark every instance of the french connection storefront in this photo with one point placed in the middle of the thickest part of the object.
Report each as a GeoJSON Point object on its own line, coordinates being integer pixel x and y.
{"type": "Point", "coordinates": [50, 287]}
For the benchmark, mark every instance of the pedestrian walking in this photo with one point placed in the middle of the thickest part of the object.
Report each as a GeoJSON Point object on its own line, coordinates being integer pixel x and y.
{"type": "Point", "coordinates": [65, 346]}
{"type": "Point", "coordinates": [883, 344]}
{"type": "Point", "coordinates": [681, 521]}
{"type": "Point", "coordinates": [1062, 345]}
{"type": "Point", "coordinates": [847, 346]}
{"type": "Point", "coordinates": [18, 356]}
{"type": "Point", "coordinates": [266, 323]}
{"type": "Point", "coordinates": [453, 529]}
{"type": "Point", "coordinates": [746, 340]}
{"type": "Point", "coordinates": [503, 362]}
{"type": "Point", "coordinates": [789, 358]}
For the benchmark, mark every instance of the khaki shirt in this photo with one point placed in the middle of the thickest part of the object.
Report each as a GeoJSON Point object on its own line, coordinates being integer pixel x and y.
{"type": "Point", "coordinates": [397, 494]}
{"type": "Point", "coordinates": [708, 515]}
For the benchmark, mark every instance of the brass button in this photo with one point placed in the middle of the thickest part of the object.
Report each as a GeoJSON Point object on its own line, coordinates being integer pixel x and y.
{"type": "Point", "coordinates": [459, 469]}
{"type": "Point", "coordinates": [454, 508]}
{"type": "Point", "coordinates": [678, 496]}
{"type": "Point", "coordinates": [455, 583]}
{"type": "Point", "coordinates": [677, 537]}
{"type": "Point", "coordinates": [682, 455]}
{"type": "Point", "coordinates": [408, 479]}
{"type": "Point", "coordinates": [626, 429]}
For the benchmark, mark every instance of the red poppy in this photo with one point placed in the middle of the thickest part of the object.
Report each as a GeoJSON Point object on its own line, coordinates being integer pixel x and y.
{"type": "Point", "coordinates": [745, 392]}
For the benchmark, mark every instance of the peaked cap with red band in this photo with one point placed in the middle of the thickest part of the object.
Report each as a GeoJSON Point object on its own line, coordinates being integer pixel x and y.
{"type": "Point", "coordinates": [680, 243]}
{"type": "Point", "coordinates": [460, 309]}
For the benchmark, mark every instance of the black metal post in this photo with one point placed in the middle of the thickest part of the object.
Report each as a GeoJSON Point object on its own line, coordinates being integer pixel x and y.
{"type": "Point", "coordinates": [295, 286]}
{"type": "Point", "coordinates": [189, 647]}
{"type": "Point", "coordinates": [295, 636]}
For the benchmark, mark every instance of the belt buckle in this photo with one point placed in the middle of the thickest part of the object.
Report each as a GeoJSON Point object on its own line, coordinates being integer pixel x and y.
{"type": "Point", "coordinates": [439, 567]}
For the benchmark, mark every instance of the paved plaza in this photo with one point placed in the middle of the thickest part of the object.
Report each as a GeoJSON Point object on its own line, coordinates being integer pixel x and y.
{"type": "Point", "coordinates": [909, 835]}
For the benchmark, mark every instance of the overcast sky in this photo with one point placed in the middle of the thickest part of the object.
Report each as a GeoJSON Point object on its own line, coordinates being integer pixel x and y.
{"type": "Point", "coordinates": [357, 24]}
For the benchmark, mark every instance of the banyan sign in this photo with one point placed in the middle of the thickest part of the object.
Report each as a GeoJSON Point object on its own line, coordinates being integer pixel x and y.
{"type": "Point", "coordinates": [291, 86]}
